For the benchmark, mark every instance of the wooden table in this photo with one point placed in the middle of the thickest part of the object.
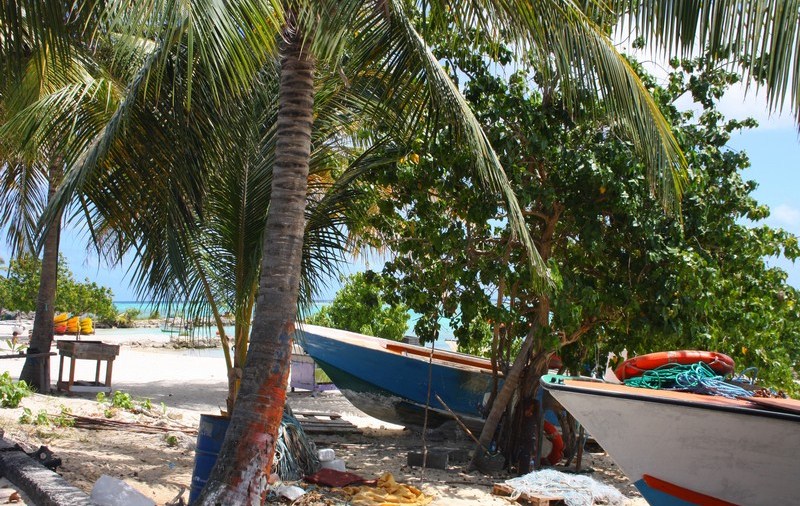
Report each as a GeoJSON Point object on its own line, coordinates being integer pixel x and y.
{"type": "Point", "coordinates": [86, 350]}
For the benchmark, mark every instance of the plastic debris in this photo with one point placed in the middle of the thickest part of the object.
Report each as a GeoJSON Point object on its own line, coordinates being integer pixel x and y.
{"type": "Point", "coordinates": [387, 492]}
{"type": "Point", "coordinates": [336, 464]}
{"type": "Point", "coordinates": [326, 454]}
{"type": "Point", "coordinates": [338, 479]}
{"type": "Point", "coordinates": [290, 492]}
{"type": "Point", "coordinates": [46, 458]}
{"type": "Point", "coordinates": [108, 491]}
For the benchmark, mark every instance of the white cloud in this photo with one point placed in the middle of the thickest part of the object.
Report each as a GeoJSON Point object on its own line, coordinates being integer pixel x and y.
{"type": "Point", "coordinates": [740, 103]}
{"type": "Point", "coordinates": [786, 216]}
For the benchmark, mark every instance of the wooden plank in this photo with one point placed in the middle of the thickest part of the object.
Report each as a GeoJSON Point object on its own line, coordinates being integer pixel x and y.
{"type": "Point", "coordinates": [327, 428]}
{"type": "Point", "coordinates": [322, 424]}
{"type": "Point", "coordinates": [332, 430]}
{"type": "Point", "coordinates": [788, 405]}
{"type": "Point", "coordinates": [22, 354]}
{"type": "Point", "coordinates": [504, 490]}
{"type": "Point", "coordinates": [445, 356]}
{"type": "Point", "coordinates": [320, 427]}
{"type": "Point", "coordinates": [332, 416]}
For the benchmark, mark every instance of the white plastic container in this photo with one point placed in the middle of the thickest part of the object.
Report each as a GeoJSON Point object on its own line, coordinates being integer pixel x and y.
{"type": "Point", "coordinates": [326, 454]}
{"type": "Point", "coordinates": [290, 492]}
{"type": "Point", "coordinates": [336, 464]}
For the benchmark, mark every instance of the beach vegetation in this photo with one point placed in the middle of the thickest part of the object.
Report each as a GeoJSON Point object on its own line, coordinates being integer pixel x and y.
{"type": "Point", "coordinates": [120, 400]}
{"type": "Point", "coordinates": [15, 346]}
{"type": "Point", "coordinates": [175, 56]}
{"type": "Point", "coordinates": [361, 306]}
{"type": "Point", "coordinates": [171, 440]}
{"type": "Point", "coordinates": [627, 274]}
{"type": "Point", "coordinates": [127, 318]}
{"type": "Point", "coordinates": [64, 418]}
{"type": "Point", "coordinates": [12, 392]}
{"type": "Point", "coordinates": [20, 286]}
{"type": "Point", "coordinates": [40, 419]}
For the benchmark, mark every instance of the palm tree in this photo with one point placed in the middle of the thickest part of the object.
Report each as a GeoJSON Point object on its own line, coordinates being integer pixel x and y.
{"type": "Point", "coordinates": [33, 167]}
{"type": "Point", "coordinates": [231, 42]}
{"type": "Point", "coordinates": [201, 240]}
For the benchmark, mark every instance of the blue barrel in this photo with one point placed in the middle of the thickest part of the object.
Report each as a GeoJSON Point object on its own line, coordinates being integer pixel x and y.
{"type": "Point", "coordinates": [210, 436]}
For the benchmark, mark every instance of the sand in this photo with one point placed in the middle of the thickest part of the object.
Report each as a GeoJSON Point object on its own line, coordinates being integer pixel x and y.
{"type": "Point", "coordinates": [181, 385]}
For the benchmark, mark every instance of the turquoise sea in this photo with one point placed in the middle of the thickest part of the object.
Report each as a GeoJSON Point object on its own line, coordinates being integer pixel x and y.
{"type": "Point", "coordinates": [147, 307]}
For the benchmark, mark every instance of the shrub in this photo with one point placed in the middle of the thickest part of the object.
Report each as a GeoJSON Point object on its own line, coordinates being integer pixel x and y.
{"type": "Point", "coordinates": [360, 306]}
{"type": "Point", "coordinates": [11, 392]}
{"type": "Point", "coordinates": [127, 317]}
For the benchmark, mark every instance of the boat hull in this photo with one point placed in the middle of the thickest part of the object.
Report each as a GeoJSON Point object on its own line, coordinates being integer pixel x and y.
{"type": "Point", "coordinates": [393, 385]}
{"type": "Point", "coordinates": [682, 448]}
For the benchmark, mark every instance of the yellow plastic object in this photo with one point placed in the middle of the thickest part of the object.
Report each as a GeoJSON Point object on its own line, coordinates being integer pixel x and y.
{"type": "Point", "coordinates": [387, 492]}
{"type": "Point", "coordinates": [60, 318]}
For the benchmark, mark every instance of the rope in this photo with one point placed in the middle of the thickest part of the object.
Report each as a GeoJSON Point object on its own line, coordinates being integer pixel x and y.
{"type": "Point", "coordinates": [295, 454]}
{"type": "Point", "coordinates": [698, 378]}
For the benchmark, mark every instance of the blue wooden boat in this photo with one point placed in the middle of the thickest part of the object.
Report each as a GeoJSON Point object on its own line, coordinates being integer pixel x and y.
{"type": "Point", "coordinates": [388, 380]}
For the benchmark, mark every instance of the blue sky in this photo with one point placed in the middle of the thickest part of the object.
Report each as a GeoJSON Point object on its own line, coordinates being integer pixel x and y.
{"type": "Point", "coordinates": [775, 165]}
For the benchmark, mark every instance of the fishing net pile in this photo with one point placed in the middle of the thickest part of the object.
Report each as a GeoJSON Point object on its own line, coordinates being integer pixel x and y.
{"type": "Point", "coordinates": [698, 378]}
{"type": "Point", "coordinates": [576, 490]}
{"type": "Point", "coordinates": [295, 454]}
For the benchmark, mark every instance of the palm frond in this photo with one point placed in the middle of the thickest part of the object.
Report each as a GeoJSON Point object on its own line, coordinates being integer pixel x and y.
{"type": "Point", "coordinates": [765, 34]}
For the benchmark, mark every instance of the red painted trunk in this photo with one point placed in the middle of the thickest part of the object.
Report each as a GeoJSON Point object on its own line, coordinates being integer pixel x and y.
{"type": "Point", "coordinates": [243, 467]}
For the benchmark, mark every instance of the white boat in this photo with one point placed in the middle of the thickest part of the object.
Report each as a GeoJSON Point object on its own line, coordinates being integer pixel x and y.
{"type": "Point", "coordinates": [682, 448]}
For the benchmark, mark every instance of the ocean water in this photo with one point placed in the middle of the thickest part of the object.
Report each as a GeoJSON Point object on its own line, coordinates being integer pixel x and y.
{"type": "Point", "coordinates": [147, 307]}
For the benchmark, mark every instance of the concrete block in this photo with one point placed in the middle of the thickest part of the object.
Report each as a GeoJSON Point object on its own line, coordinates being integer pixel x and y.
{"type": "Point", "coordinates": [436, 459]}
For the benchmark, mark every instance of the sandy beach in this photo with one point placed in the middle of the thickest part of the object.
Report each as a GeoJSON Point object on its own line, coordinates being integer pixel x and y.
{"type": "Point", "coordinates": [182, 384]}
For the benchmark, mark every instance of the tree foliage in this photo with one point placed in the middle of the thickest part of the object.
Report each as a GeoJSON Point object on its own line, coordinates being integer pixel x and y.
{"type": "Point", "coordinates": [361, 306]}
{"type": "Point", "coordinates": [18, 290]}
{"type": "Point", "coordinates": [628, 274]}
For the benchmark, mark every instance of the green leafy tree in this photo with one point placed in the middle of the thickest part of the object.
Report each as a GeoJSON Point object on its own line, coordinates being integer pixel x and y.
{"type": "Point", "coordinates": [360, 306]}
{"type": "Point", "coordinates": [21, 285]}
{"type": "Point", "coordinates": [628, 274]}
{"type": "Point", "coordinates": [21, 288]}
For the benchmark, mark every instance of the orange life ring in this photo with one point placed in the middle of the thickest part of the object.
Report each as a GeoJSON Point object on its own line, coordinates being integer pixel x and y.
{"type": "Point", "coordinates": [557, 451]}
{"type": "Point", "coordinates": [720, 363]}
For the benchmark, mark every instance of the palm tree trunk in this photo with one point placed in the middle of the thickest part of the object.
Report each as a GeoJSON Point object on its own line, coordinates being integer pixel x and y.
{"type": "Point", "coordinates": [36, 370]}
{"type": "Point", "coordinates": [243, 466]}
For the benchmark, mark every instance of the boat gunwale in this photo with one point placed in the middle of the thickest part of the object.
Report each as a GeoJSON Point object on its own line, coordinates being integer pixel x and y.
{"type": "Point", "coordinates": [418, 353]}
{"type": "Point", "coordinates": [547, 384]}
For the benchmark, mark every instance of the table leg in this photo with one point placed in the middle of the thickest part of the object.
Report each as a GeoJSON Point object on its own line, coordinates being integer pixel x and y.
{"type": "Point", "coordinates": [97, 373]}
{"type": "Point", "coordinates": [109, 366]}
{"type": "Point", "coordinates": [60, 370]}
{"type": "Point", "coordinates": [71, 373]}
